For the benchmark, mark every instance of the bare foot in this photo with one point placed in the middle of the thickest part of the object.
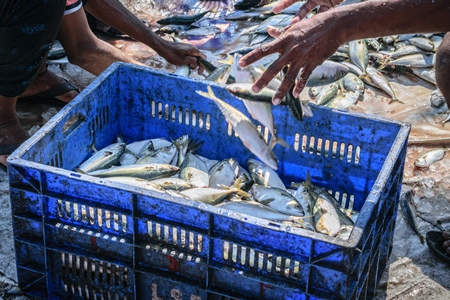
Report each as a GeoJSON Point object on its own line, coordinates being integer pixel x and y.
{"type": "Point", "coordinates": [45, 82]}
{"type": "Point", "coordinates": [446, 244]}
{"type": "Point", "coordinates": [11, 136]}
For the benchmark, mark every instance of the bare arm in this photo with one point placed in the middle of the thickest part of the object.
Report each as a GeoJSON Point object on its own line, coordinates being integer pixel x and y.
{"type": "Point", "coordinates": [306, 44]}
{"type": "Point", "coordinates": [113, 13]}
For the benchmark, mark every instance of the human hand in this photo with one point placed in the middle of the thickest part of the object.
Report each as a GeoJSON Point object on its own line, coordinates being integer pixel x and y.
{"type": "Point", "coordinates": [306, 8]}
{"type": "Point", "coordinates": [302, 46]}
{"type": "Point", "coordinates": [183, 54]}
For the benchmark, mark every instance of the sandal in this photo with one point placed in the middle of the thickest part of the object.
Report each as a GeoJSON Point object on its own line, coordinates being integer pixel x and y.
{"type": "Point", "coordinates": [434, 242]}
{"type": "Point", "coordinates": [49, 96]}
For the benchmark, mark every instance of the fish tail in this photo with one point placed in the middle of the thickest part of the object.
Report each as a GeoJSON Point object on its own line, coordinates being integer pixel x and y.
{"type": "Point", "coordinates": [79, 171]}
{"type": "Point", "coordinates": [365, 76]}
{"type": "Point", "coordinates": [396, 100]}
{"type": "Point", "coordinates": [277, 140]}
{"type": "Point", "coordinates": [422, 239]}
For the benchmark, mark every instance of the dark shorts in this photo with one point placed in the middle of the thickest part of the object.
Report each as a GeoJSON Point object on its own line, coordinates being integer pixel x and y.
{"type": "Point", "coordinates": [27, 31]}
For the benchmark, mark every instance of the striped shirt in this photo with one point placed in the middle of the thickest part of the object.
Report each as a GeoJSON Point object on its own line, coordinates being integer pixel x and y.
{"type": "Point", "coordinates": [72, 6]}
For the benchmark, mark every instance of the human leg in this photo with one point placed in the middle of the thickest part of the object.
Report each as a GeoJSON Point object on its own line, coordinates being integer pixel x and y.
{"type": "Point", "coordinates": [27, 30]}
{"type": "Point", "coordinates": [442, 68]}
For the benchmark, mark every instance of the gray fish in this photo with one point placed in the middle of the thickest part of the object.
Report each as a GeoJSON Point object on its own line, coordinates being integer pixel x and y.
{"type": "Point", "coordinates": [220, 75]}
{"type": "Point", "coordinates": [183, 19]}
{"type": "Point", "coordinates": [103, 158]}
{"type": "Point", "coordinates": [183, 71]}
{"type": "Point", "coordinates": [144, 171]}
{"type": "Point", "coordinates": [409, 211]}
{"type": "Point", "coordinates": [327, 93]}
{"type": "Point", "coordinates": [172, 183]}
{"type": "Point", "coordinates": [163, 155]}
{"type": "Point", "coordinates": [359, 54]}
{"type": "Point", "coordinates": [247, 132]}
{"type": "Point", "coordinates": [425, 74]}
{"type": "Point", "coordinates": [195, 176]}
{"type": "Point", "coordinates": [344, 100]}
{"type": "Point", "coordinates": [222, 173]}
{"type": "Point", "coordinates": [138, 182]}
{"type": "Point", "coordinates": [353, 83]}
{"type": "Point", "coordinates": [403, 51]}
{"type": "Point", "coordinates": [422, 43]}
{"type": "Point", "coordinates": [382, 82]}
{"type": "Point", "coordinates": [430, 157]}
{"type": "Point", "coordinates": [264, 175]}
{"type": "Point", "coordinates": [128, 158]}
{"type": "Point", "coordinates": [278, 199]}
{"type": "Point", "coordinates": [328, 72]}
{"type": "Point", "coordinates": [210, 195]}
{"type": "Point", "coordinates": [417, 60]}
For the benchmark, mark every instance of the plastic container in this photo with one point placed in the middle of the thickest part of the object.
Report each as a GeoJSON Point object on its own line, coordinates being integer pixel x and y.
{"type": "Point", "coordinates": [81, 237]}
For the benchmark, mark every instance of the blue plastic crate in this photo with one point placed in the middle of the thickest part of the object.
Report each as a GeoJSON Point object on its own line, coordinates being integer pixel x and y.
{"type": "Point", "coordinates": [82, 237]}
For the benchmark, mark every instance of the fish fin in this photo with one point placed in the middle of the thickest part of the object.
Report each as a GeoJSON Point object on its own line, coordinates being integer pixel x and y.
{"type": "Point", "coordinates": [266, 201]}
{"type": "Point", "coordinates": [277, 140]}
{"type": "Point", "coordinates": [395, 100]}
{"type": "Point", "coordinates": [307, 112]}
{"type": "Point", "coordinates": [79, 171]}
{"type": "Point", "coordinates": [227, 61]}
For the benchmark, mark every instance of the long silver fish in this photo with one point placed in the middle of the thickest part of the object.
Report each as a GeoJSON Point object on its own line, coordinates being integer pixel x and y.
{"type": "Point", "coordinates": [247, 132]}
{"type": "Point", "coordinates": [103, 158]}
{"type": "Point", "coordinates": [344, 100]}
{"type": "Point", "coordinates": [409, 211]}
{"type": "Point", "coordinates": [163, 155]}
{"type": "Point", "coordinates": [382, 82]}
{"type": "Point", "coordinates": [222, 173]}
{"type": "Point", "coordinates": [172, 183]}
{"type": "Point", "coordinates": [144, 171]}
{"type": "Point", "coordinates": [210, 195]}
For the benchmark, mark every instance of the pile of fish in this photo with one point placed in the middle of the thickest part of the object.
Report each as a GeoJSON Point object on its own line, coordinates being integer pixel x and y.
{"type": "Point", "coordinates": [362, 62]}
{"type": "Point", "coordinates": [175, 168]}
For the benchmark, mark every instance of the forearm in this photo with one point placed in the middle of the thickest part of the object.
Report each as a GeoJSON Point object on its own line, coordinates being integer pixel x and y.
{"type": "Point", "coordinates": [377, 18]}
{"type": "Point", "coordinates": [113, 13]}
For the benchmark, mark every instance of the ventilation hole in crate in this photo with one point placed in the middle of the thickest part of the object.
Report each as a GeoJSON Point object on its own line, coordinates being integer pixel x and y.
{"type": "Point", "coordinates": [326, 150]}
{"type": "Point", "coordinates": [208, 122]}
{"type": "Point", "coordinates": [296, 141]}
{"type": "Point", "coordinates": [76, 214]}
{"type": "Point", "coordinates": [175, 236]}
{"type": "Point", "coordinates": [311, 145]}
{"type": "Point", "coordinates": [344, 200]}
{"type": "Point", "coordinates": [194, 118]}
{"type": "Point", "coordinates": [180, 115]}
{"type": "Point", "coordinates": [187, 115]}
{"type": "Point", "coordinates": [173, 116]}
{"type": "Point", "coordinates": [153, 108]}
{"type": "Point", "coordinates": [201, 122]}
{"type": "Point", "coordinates": [319, 146]}
{"type": "Point", "coordinates": [349, 153]}
{"type": "Point", "coordinates": [351, 202]}
{"type": "Point", "coordinates": [357, 154]}
{"type": "Point", "coordinates": [266, 134]}
{"type": "Point", "coordinates": [160, 110]}
{"type": "Point", "coordinates": [304, 143]}
{"type": "Point", "coordinates": [342, 151]}
{"type": "Point", "coordinates": [166, 112]}
{"type": "Point", "coordinates": [337, 196]}
{"type": "Point", "coordinates": [334, 149]}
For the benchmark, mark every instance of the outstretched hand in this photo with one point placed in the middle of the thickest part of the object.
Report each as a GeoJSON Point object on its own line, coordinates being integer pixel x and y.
{"type": "Point", "coordinates": [302, 47]}
{"type": "Point", "coordinates": [306, 8]}
{"type": "Point", "coordinates": [183, 54]}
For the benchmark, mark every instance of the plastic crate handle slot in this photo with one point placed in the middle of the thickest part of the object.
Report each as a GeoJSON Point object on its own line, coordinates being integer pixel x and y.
{"type": "Point", "coordinates": [73, 123]}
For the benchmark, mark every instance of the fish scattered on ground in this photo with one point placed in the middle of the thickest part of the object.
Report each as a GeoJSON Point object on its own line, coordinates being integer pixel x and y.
{"type": "Point", "coordinates": [409, 211]}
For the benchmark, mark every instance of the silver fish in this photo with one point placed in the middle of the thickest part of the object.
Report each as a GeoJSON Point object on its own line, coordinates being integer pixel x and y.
{"type": "Point", "coordinates": [344, 100]}
{"type": "Point", "coordinates": [426, 74]}
{"type": "Point", "coordinates": [222, 173]}
{"type": "Point", "coordinates": [304, 198]}
{"type": "Point", "coordinates": [210, 195]}
{"type": "Point", "coordinates": [264, 175]}
{"type": "Point", "coordinates": [430, 157]}
{"type": "Point", "coordinates": [353, 83]}
{"type": "Point", "coordinates": [103, 158]}
{"type": "Point", "coordinates": [278, 199]}
{"type": "Point", "coordinates": [195, 176]}
{"type": "Point", "coordinates": [144, 171]}
{"type": "Point", "coordinates": [403, 51]}
{"type": "Point", "coordinates": [247, 132]}
{"type": "Point", "coordinates": [328, 72]}
{"type": "Point", "coordinates": [382, 82]}
{"type": "Point", "coordinates": [138, 182]}
{"type": "Point", "coordinates": [220, 75]}
{"type": "Point", "coordinates": [422, 43]}
{"type": "Point", "coordinates": [183, 71]}
{"type": "Point", "coordinates": [409, 211]}
{"type": "Point", "coordinates": [359, 54]}
{"type": "Point", "coordinates": [418, 60]}
{"type": "Point", "coordinates": [327, 93]}
{"type": "Point", "coordinates": [128, 158]}
{"type": "Point", "coordinates": [163, 155]}
{"type": "Point", "coordinates": [171, 183]}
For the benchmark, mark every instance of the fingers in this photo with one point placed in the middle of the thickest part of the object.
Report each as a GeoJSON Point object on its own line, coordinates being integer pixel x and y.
{"type": "Point", "coordinates": [304, 10]}
{"type": "Point", "coordinates": [275, 31]}
{"type": "Point", "coordinates": [288, 81]}
{"type": "Point", "coordinates": [282, 5]}
{"type": "Point", "coordinates": [258, 53]}
{"type": "Point", "coordinates": [323, 9]}
{"type": "Point", "coordinates": [302, 79]}
{"type": "Point", "coordinates": [267, 76]}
